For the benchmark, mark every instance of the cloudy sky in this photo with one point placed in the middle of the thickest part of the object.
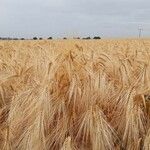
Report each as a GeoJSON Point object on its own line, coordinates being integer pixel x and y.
{"type": "Point", "coordinates": [58, 18]}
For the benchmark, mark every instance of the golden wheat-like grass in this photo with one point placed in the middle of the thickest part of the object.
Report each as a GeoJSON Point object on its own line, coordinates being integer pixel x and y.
{"type": "Point", "coordinates": [75, 95]}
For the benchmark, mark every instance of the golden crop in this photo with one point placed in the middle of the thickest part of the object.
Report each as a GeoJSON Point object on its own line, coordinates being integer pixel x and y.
{"type": "Point", "coordinates": [75, 95]}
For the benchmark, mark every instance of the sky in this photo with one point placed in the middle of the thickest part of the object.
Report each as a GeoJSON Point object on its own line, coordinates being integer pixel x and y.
{"type": "Point", "coordinates": [73, 18]}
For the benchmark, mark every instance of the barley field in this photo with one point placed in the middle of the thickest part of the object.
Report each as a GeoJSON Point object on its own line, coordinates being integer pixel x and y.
{"type": "Point", "coordinates": [75, 95]}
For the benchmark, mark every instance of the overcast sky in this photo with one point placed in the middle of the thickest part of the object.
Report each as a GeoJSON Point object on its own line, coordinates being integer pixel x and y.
{"type": "Point", "coordinates": [58, 18]}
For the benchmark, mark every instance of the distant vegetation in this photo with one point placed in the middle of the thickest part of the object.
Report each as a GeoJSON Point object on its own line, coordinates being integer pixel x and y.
{"type": "Point", "coordinates": [97, 38]}
{"type": "Point", "coordinates": [8, 38]}
{"type": "Point", "coordinates": [35, 38]}
{"type": "Point", "coordinates": [50, 38]}
{"type": "Point", "coordinates": [76, 37]}
{"type": "Point", "coordinates": [86, 38]}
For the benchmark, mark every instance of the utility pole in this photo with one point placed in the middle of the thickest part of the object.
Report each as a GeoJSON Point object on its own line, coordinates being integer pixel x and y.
{"type": "Point", "coordinates": [140, 32]}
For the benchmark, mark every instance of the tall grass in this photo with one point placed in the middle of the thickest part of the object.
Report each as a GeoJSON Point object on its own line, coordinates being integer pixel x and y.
{"type": "Point", "coordinates": [73, 95]}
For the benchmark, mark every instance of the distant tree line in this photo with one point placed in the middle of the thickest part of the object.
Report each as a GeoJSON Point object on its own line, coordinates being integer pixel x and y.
{"type": "Point", "coordinates": [50, 38]}
{"type": "Point", "coordinates": [8, 38]}
{"type": "Point", "coordinates": [34, 38]}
